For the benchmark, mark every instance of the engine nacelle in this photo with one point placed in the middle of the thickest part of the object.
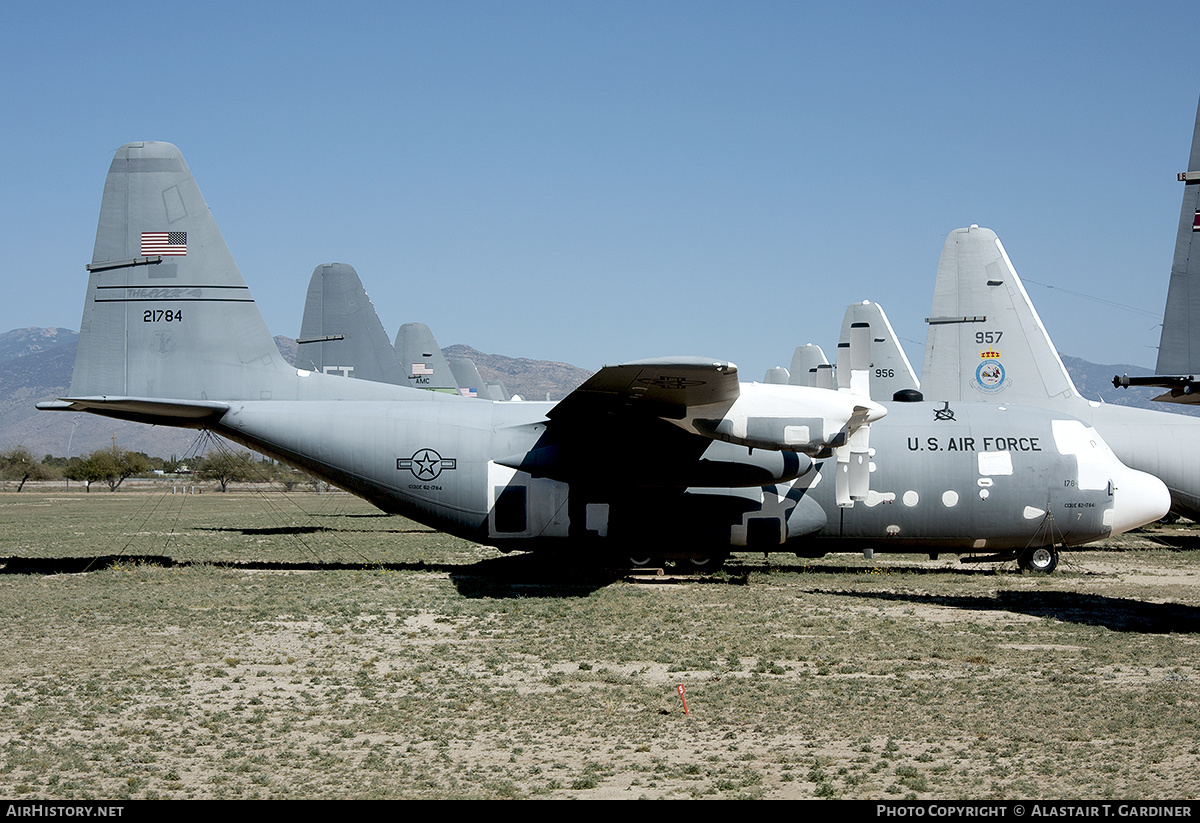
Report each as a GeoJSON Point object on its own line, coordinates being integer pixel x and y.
{"type": "Point", "coordinates": [790, 418]}
{"type": "Point", "coordinates": [722, 464]}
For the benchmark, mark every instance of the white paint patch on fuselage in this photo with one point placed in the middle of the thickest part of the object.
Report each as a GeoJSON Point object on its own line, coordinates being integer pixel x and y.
{"type": "Point", "coordinates": [995, 463]}
{"type": "Point", "coordinates": [874, 498]}
{"type": "Point", "coordinates": [1091, 453]}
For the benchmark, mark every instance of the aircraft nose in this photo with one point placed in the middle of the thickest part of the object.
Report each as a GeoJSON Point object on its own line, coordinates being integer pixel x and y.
{"type": "Point", "coordinates": [1138, 499]}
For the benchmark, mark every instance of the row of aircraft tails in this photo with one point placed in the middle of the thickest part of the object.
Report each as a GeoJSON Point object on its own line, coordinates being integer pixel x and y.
{"type": "Point", "coordinates": [994, 455]}
{"type": "Point", "coordinates": [342, 334]}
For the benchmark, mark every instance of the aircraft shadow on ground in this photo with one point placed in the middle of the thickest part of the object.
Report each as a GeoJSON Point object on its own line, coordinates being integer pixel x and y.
{"type": "Point", "coordinates": [512, 576]}
{"type": "Point", "coordinates": [528, 575]}
{"type": "Point", "coordinates": [277, 530]}
{"type": "Point", "coordinates": [95, 563]}
{"type": "Point", "coordinates": [1179, 542]}
{"type": "Point", "coordinates": [1118, 614]}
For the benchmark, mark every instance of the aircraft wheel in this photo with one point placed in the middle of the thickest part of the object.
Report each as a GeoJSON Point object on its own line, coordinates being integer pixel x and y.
{"type": "Point", "coordinates": [643, 561]}
{"type": "Point", "coordinates": [708, 563]}
{"type": "Point", "coordinates": [1042, 559]}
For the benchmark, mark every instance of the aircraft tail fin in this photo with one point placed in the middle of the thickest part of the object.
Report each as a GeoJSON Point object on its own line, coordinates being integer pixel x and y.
{"type": "Point", "coordinates": [167, 313]}
{"type": "Point", "coordinates": [985, 339]}
{"type": "Point", "coordinates": [890, 370]}
{"type": "Point", "coordinates": [1179, 346]}
{"type": "Point", "coordinates": [423, 362]}
{"type": "Point", "coordinates": [341, 332]}
{"type": "Point", "coordinates": [496, 390]}
{"type": "Point", "coordinates": [811, 368]}
{"type": "Point", "coordinates": [466, 375]}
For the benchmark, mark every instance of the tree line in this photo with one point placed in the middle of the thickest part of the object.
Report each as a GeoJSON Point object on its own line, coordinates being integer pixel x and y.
{"type": "Point", "coordinates": [112, 467]}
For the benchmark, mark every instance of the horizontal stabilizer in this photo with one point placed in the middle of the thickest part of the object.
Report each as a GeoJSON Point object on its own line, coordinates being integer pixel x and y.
{"type": "Point", "coordinates": [1182, 388]}
{"type": "Point", "coordinates": [143, 409]}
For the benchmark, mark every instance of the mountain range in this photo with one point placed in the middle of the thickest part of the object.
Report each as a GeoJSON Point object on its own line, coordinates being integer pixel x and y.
{"type": "Point", "coordinates": [36, 365]}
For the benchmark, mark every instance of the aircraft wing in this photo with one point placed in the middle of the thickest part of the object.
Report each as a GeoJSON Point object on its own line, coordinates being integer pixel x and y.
{"type": "Point", "coordinates": [673, 421]}
{"type": "Point", "coordinates": [665, 387]}
{"type": "Point", "coordinates": [703, 397]}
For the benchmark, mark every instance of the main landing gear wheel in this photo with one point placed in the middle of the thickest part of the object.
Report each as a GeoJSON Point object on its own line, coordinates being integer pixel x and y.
{"type": "Point", "coordinates": [644, 561]}
{"type": "Point", "coordinates": [1042, 559]}
{"type": "Point", "coordinates": [708, 563]}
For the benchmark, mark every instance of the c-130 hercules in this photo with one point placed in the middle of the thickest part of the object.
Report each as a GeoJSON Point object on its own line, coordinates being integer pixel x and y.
{"type": "Point", "coordinates": [665, 458]}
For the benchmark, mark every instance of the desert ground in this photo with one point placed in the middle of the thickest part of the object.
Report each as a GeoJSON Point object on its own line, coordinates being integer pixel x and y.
{"type": "Point", "coordinates": [271, 645]}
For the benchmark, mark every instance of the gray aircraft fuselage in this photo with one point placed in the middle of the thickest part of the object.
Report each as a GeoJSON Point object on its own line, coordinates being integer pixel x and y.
{"type": "Point", "coordinates": [966, 478]}
{"type": "Point", "coordinates": [667, 457]}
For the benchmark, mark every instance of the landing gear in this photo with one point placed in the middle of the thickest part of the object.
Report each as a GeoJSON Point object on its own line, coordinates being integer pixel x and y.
{"type": "Point", "coordinates": [708, 563]}
{"type": "Point", "coordinates": [1042, 559]}
{"type": "Point", "coordinates": [643, 561]}
{"type": "Point", "coordinates": [696, 564]}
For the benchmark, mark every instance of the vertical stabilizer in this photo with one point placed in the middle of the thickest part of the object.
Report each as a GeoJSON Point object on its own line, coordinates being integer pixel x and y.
{"type": "Point", "coordinates": [466, 375]}
{"type": "Point", "coordinates": [423, 362]}
{"type": "Point", "coordinates": [811, 368]}
{"type": "Point", "coordinates": [341, 332]}
{"type": "Point", "coordinates": [167, 314]}
{"type": "Point", "coordinates": [496, 390]}
{"type": "Point", "coordinates": [986, 341]}
{"type": "Point", "coordinates": [890, 370]}
{"type": "Point", "coordinates": [1179, 347]}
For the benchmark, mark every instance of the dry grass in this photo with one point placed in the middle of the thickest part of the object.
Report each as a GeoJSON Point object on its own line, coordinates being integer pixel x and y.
{"type": "Point", "coordinates": [305, 646]}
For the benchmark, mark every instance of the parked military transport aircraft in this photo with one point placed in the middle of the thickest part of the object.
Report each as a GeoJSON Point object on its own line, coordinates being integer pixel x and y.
{"type": "Point", "coordinates": [1179, 345]}
{"type": "Point", "coordinates": [420, 355]}
{"type": "Point", "coordinates": [668, 457]}
{"type": "Point", "coordinates": [890, 373]}
{"type": "Point", "coordinates": [341, 334]}
{"type": "Point", "coordinates": [986, 341]}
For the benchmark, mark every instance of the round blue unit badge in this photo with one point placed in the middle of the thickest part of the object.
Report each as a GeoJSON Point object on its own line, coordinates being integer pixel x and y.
{"type": "Point", "coordinates": [989, 377]}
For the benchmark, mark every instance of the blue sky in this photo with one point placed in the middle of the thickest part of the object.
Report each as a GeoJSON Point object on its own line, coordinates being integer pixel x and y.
{"type": "Point", "coordinates": [598, 182]}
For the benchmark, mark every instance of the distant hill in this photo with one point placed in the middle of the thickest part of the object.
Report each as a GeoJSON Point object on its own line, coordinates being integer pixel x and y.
{"type": "Point", "coordinates": [36, 364]}
{"type": "Point", "coordinates": [532, 379]}
{"type": "Point", "coordinates": [22, 342]}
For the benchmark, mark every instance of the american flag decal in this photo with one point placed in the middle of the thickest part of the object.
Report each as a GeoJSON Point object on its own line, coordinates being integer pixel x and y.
{"type": "Point", "coordinates": [1196, 222]}
{"type": "Point", "coordinates": [165, 243]}
{"type": "Point", "coordinates": [419, 369]}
